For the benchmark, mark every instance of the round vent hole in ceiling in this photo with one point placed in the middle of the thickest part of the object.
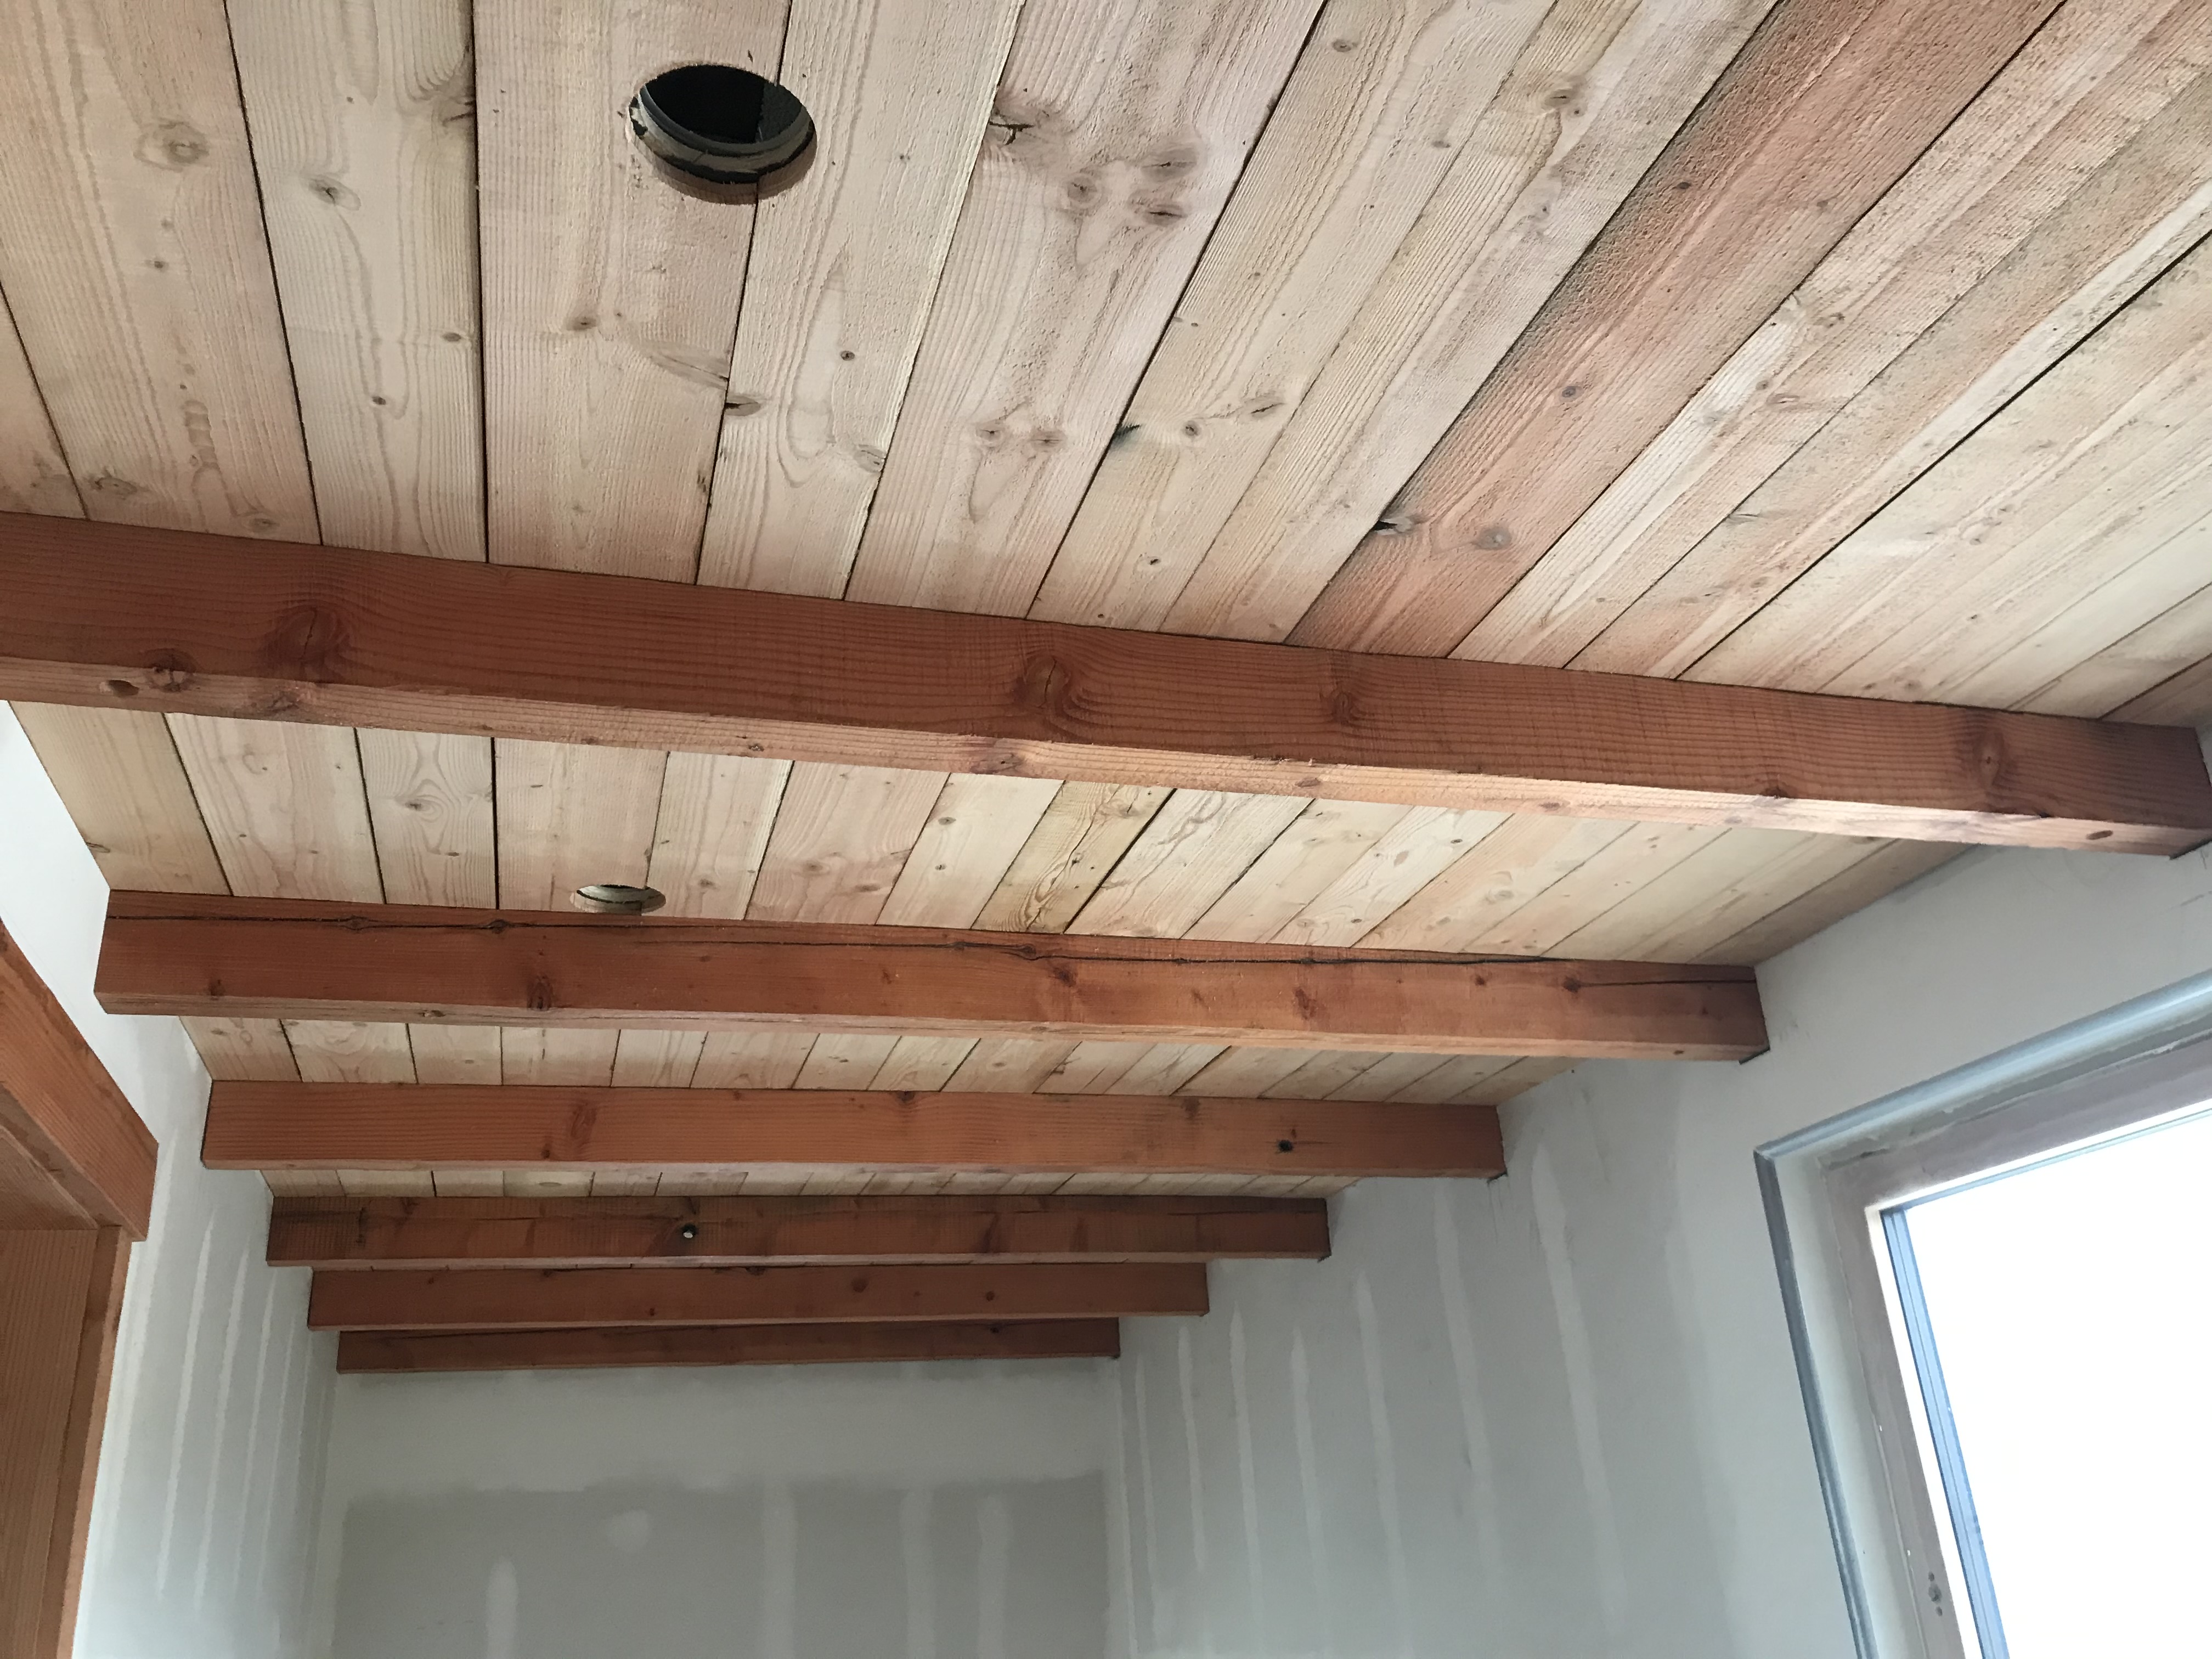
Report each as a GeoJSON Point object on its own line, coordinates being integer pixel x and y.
{"type": "Point", "coordinates": [612, 899]}
{"type": "Point", "coordinates": [725, 133]}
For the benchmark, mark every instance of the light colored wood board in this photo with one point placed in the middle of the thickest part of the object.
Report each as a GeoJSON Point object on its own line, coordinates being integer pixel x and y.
{"type": "Point", "coordinates": [255, 1049]}
{"type": "Point", "coordinates": [304, 1183]}
{"type": "Point", "coordinates": [610, 298]}
{"type": "Point", "coordinates": [1882, 871]}
{"type": "Point", "coordinates": [1187, 857]}
{"type": "Point", "coordinates": [1092, 1068]}
{"type": "Point", "coordinates": [1082, 836]}
{"type": "Point", "coordinates": [2156, 598]}
{"type": "Point", "coordinates": [625, 1183]}
{"type": "Point", "coordinates": [61, 1298]}
{"type": "Point", "coordinates": [1321, 1076]}
{"type": "Point", "coordinates": [2184, 700]}
{"type": "Point", "coordinates": [1426, 842]}
{"type": "Point", "coordinates": [1166, 1068]}
{"type": "Point", "coordinates": [1590, 100]}
{"type": "Point", "coordinates": [283, 805]}
{"type": "Point", "coordinates": [363, 126]}
{"type": "Point", "coordinates": [1516, 1080]}
{"type": "Point", "coordinates": [922, 1063]}
{"type": "Point", "coordinates": [1825, 108]}
{"type": "Point", "coordinates": [2130, 668]}
{"type": "Point", "coordinates": [1638, 927]}
{"type": "Point", "coordinates": [839, 842]}
{"type": "Point", "coordinates": [1723, 910]}
{"type": "Point", "coordinates": [350, 1051]}
{"type": "Point", "coordinates": [2107, 441]}
{"type": "Point", "coordinates": [658, 1059]}
{"type": "Point", "coordinates": [716, 811]}
{"type": "Point", "coordinates": [1382, 99]}
{"type": "Point", "coordinates": [1387, 1078]}
{"type": "Point", "coordinates": [1320, 845]}
{"type": "Point", "coordinates": [752, 1059]}
{"type": "Point", "coordinates": [535, 1055]}
{"type": "Point", "coordinates": [137, 270]}
{"type": "Point", "coordinates": [118, 774]}
{"type": "Point", "coordinates": [1455, 1079]}
{"type": "Point", "coordinates": [545, 1183]}
{"type": "Point", "coordinates": [687, 1182]}
{"type": "Point", "coordinates": [2000, 240]}
{"type": "Point", "coordinates": [841, 278]}
{"type": "Point", "coordinates": [35, 476]}
{"type": "Point", "coordinates": [1116, 137]}
{"type": "Point", "coordinates": [1492, 879]}
{"type": "Point", "coordinates": [1009, 1065]}
{"type": "Point", "coordinates": [456, 1053]}
{"type": "Point", "coordinates": [838, 1060]}
{"type": "Point", "coordinates": [468, 1183]}
{"type": "Point", "coordinates": [974, 833]}
{"type": "Point", "coordinates": [1241, 1073]}
{"type": "Point", "coordinates": [430, 810]}
{"type": "Point", "coordinates": [1622, 869]}
{"type": "Point", "coordinates": [387, 1183]}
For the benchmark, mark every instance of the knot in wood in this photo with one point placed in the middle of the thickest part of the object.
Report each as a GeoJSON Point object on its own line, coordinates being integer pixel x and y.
{"type": "Point", "coordinates": [307, 643]}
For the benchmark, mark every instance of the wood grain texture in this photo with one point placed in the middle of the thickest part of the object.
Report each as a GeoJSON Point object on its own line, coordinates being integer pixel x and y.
{"type": "Point", "coordinates": [61, 1295]}
{"type": "Point", "coordinates": [35, 476]}
{"type": "Point", "coordinates": [610, 298]}
{"type": "Point", "coordinates": [399, 1299]}
{"type": "Point", "coordinates": [1596, 92]}
{"type": "Point", "coordinates": [62, 1110]}
{"type": "Point", "coordinates": [382, 640]}
{"type": "Point", "coordinates": [740, 1344]}
{"type": "Point", "coordinates": [2052, 197]}
{"type": "Point", "coordinates": [273, 1126]}
{"type": "Point", "coordinates": [1116, 136]}
{"type": "Point", "coordinates": [566, 971]}
{"type": "Point", "coordinates": [734, 1232]}
{"type": "Point", "coordinates": [1824, 109]}
{"type": "Point", "coordinates": [136, 269]}
{"type": "Point", "coordinates": [363, 123]}
{"type": "Point", "coordinates": [842, 279]}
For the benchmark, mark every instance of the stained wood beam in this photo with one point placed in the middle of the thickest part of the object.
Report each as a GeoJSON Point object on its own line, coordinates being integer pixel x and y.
{"type": "Point", "coordinates": [73, 1152]}
{"type": "Point", "coordinates": [737, 1232]}
{"type": "Point", "coordinates": [402, 1299]}
{"type": "Point", "coordinates": [301, 959]}
{"type": "Point", "coordinates": [723, 1344]}
{"type": "Point", "coordinates": [125, 616]}
{"type": "Point", "coordinates": [420, 1126]}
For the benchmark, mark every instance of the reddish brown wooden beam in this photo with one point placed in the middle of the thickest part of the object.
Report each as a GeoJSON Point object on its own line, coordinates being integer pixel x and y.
{"type": "Point", "coordinates": [411, 1126]}
{"type": "Point", "coordinates": [298, 959]}
{"type": "Point", "coordinates": [68, 1134]}
{"type": "Point", "coordinates": [402, 1299]}
{"type": "Point", "coordinates": [124, 616]}
{"type": "Point", "coordinates": [723, 1344]}
{"type": "Point", "coordinates": [735, 1233]}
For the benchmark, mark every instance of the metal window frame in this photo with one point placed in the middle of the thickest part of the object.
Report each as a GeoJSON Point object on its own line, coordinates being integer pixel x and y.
{"type": "Point", "coordinates": [1825, 1188]}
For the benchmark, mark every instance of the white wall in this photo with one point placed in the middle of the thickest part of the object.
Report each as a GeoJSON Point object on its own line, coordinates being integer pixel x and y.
{"type": "Point", "coordinates": [948, 1510]}
{"type": "Point", "coordinates": [210, 1464]}
{"type": "Point", "coordinates": [1556, 1415]}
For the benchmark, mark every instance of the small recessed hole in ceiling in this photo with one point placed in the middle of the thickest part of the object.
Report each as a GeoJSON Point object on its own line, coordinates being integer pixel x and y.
{"type": "Point", "coordinates": [612, 899]}
{"type": "Point", "coordinates": [722, 132]}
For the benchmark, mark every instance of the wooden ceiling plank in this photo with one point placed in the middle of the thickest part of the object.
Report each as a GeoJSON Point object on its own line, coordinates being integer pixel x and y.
{"type": "Point", "coordinates": [1426, 842]}
{"type": "Point", "coordinates": [1247, 1073]}
{"type": "Point", "coordinates": [918, 1062]}
{"type": "Point", "coordinates": [840, 839]}
{"type": "Point", "coordinates": [1516, 1080]}
{"type": "Point", "coordinates": [2131, 667]}
{"type": "Point", "coordinates": [2125, 224]}
{"type": "Point", "coordinates": [2007, 199]}
{"type": "Point", "coordinates": [1117, 136]}
{"type": "Point", "coordinates": [1824, 109]}
{"type": "Point", "coordinates": [841, 278]}
{"type": "Point", "coordinates": [609, 297]}
{"type": "Point", "coordinates": [1595, 887]}
{"type": "Point", "coordinates": [1499, 874]}
{"type": "Point", "coordinates": [1882, 871]}
{"type": "Point", "coordinates": [136, 269]}
{"type": "Point", "coordinates": [1194, 848]}
{"type": "Point", "coordinates": [1009, 1065]}
{"type": "Point", "coordinates": [1081, 836]}
{"type": "Point", "coordinates": [1325, 840]}
{"type": "Point", "coordinates": [606, 662]}
{"type": "Point", "coordinates": [460, 1183]}
{"type": "Point", "coordinates": [364, 139]}
{"type": "Point", "coordinates": [490, 1299]}
{"type": "Point", "coordinates": [1636, 927]}
{"type": "Point", "coordinates": [968, 845]}
{"type": "Point", "coordinates": [1381, 102]}
{"type": "Point", "coordinates": [2111, 440]}
{"type": "Point", "coordinates": [752, 1059]}
{"type": "Point", "coordinates": [732, 1232]}
{"type": "Point", "coordinates": [279, 1126]}
{"type": "Point", "coordinates": [365, 1352]}
{"type": "Point", "coordinates": [564, 971]}
{"type": "Point", "coordinates": [35, 476]}
{"type": "Point", "coordinates": [1449, 1082]}
{"type": "Point", "coordinates": [1592, 98]}
{"type": "Point", "coordinates": [2184, 697]}
{"type": "Point", "coordinates": [1388, 1077]}
{"type": "Point", "coordinates": [1322, 1075]}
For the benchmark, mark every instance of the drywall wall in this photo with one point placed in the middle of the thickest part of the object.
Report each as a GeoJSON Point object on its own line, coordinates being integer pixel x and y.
{"type": "Point", "coordinates": [950, 1510]}
{"type": "Point", "coordinates": [209, 1459]}
{"type": "Point", "coordinates": [1555, 1415]}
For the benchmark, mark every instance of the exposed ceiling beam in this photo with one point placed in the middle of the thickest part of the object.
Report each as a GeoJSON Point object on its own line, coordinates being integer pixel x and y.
{"type": "Point", "coordinates": [723, 1344]}
{"type": "Point", "coordinates": [410, 1126]}
{"type": "Point", "coordinates": [735, 1233]}
{"type": "Point", "coordinates": [112, 614]}
{"type": "Point", "coordinates": [301, 959]}
{"type": "Point", "coordinates": [401, 1299]}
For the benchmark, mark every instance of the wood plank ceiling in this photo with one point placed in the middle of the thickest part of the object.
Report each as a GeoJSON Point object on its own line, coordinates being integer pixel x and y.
{"type": "Point", "coordinates": [1837, 345]}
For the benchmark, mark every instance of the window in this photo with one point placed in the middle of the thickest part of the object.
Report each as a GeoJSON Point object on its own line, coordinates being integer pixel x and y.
{"type": "Point", "coordinates": [2000, 1289]}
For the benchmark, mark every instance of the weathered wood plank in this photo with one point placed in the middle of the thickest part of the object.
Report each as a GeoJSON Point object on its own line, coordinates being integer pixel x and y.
{"type": "Point", "coordinates": [102, 614]}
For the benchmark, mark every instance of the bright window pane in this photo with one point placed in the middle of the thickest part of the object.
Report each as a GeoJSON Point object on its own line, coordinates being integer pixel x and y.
{"type": "Point", "coordinates": [2071, 1304]}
